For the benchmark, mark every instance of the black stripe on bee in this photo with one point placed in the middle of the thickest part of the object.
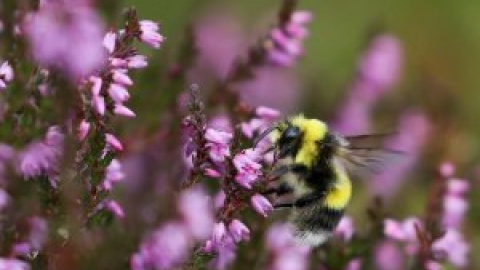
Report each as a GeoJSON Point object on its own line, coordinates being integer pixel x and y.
{"type": "Point", "coordinates": [320, 219]}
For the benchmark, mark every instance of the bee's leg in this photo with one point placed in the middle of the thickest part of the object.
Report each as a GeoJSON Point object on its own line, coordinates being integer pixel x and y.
{"type": "Point", "coordinates": [280, 190]}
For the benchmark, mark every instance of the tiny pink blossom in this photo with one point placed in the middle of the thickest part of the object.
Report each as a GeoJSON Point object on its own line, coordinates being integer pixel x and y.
{"type": "Point", "coordinates": [118, 62]}
{"type": "Point", "coordinates": [114, 208]}
{"type": "Point", "coordinates": [118, 93]}
{"type": "Point", "coordinates": [455, 247]}
{"type": "Point", "coordinates": [217, 136]}
{"type": "Point", "coordinates": [6, 74]}
{"type": "Point", "coordinates": [113, 174]}
{"type": "Point", "coordinates": [212, 173]}
{"type": "Point", "coordinates": [137, 61]}
{"type": "Point", "coordinates": [267, 113]}
{"type": "Point", "coordinates": [98, 103]}
{"type": "Point", "coordinates": [83, 129]}
{"type": "Point", "coordinates": [261, 204]}
{"type": "Point", "coordinates": [97, 85]}
{"type": "Point", "coordinates": [13, 264]}
{"type": "Point", "coordinates": [355, 264]}
{"type": "Point", "coordinates": [219, 233]}
{"type": "Point", "coordinates": [197, 212]}
{"type": "Point", "coordinates": [345, 228]}
{"type": "Point", "coordinates": [248, 169]}
{"type": "Point", "coordinates": [301, 17]}
{"type": "Point", "coordinates": [447, 169]}
{"type": "Point", "coordinates": [121, 78]}
{"type": "Point", "coordinates": [113, 142]}
{"type": "Point", "coordinates": [149, 34]}
{"type": "Point", "coordinates": [109, 41]}
{"type": "Point", "coordinates": [454, 208]}
{"type": "Point", "coordinates": [457, 187]}
{"type": "Point", "coordinates": [238, 230]}
{"type": "Point", "coordinates": [123, 111]}
{"type": "Point", "coordinates": [4, 199]}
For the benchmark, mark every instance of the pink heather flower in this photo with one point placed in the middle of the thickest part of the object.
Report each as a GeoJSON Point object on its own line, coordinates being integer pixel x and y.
{"type": "Point", "coordinates": [454, 208]}
{"type": "Point", "coordinates": [197, 212]}
{"type": "Point", "coordinates": [113, 207]}
{"type": "Point", "coordinates": [137, 61]}
{"type": "Point", "coordinates": [13, 264]}
{"type": "Point", "coordinates": [238, 231]}
{"type": "Point", "coordinates": [267, 113]}
{"type": "Point", "coordinates": [219, 233]}
{"type": "Point", "coordinates": [113, 142]}
{"type": "Point", "coordinates": [382, 63]}
{"type": "Point", "coordinates": [287, 43]}
{"type": "Point", "coordinates": [224, 252]}
{"type": "Point", "coordinates": [118, 93]}
{"type": "Point", "coordinates": [447, 169]}
{"type": "Point", "coordinates": [345, 228]}
{"type": "Point", "coordinates": [113, 174]}
{"type": "Point", "coordinates": [212, 173]}
{"type": "Point", "coordinates": [404, 232]}
{"type": "Point", "coordinates": [83, 129]}
{"type": "Point", "coordinates": [109, 41]}
{"type": "Point", "coordinates": [388, 256]}
{"type": "Point", "coordinates": [4, 199]}
{"type": "Point", "coordinates": [457, 187]}
{"type": "Point", "coordinates": [453, 244]}
{"type": "Point", "coordinates": [287, 253]}
{"type": "Point", "coordinates": [123, 111]}
{"type": "Point", "coordinates": [220, 122]}
{"type": "Point", "coordinates": [164, 249]}
{"type": "Point", "coordinates": [218, 144]}
{"type": "Point", "coordinates": [249, 128]}
{"type": "Point", "coordinates": [433, 265]}
{"type": "Point", "coordinates": [149, 34]}
{"type": "Point", "coordinates": [121, 77]}
{"type": "Point", "coordinates": [78, 34]}
{"type": "Point", "coordinates": [98, 103]}
{"type": "Point", "coordinates": [248, 169]}
{"type": "Point", "coordinates": [96, 85]}
{"type": "Point", "coordinates": [6, 74]}
{"type": "Point", "coordinates": [42, 157]}
{"type": "Point", "coordinates": [261, 204]}
{"type": "Point", "coordinates": [355, 264]}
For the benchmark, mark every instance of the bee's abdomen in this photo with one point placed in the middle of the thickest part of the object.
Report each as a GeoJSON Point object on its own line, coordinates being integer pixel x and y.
{"type": "Point", "coordinates": [315, 225]}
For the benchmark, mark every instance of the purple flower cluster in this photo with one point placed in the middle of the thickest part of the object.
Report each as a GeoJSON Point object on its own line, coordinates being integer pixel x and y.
{"type": "Point", "coordinates": [169, 246]}
{"type": "Point", "coordinates": [77, 30]}
{"type": "Point", "coordinates": [13, 264]}
{"type": "Point", "coordinates": [284, 45]}
{"type": "Point", "coordinates": [451, 245]}
{"type": "Point", "coordinates": [378, 70]}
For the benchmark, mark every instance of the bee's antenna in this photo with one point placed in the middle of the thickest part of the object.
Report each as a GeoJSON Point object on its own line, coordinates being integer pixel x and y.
{"type": "Point", "coordinates": [263, 135]}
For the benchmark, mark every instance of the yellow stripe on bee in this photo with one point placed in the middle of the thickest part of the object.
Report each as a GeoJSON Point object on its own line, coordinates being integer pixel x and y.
{"type": "Point", "coordinates": [339, 196]}
{"type": "Point", "coordinates": [313, 132]}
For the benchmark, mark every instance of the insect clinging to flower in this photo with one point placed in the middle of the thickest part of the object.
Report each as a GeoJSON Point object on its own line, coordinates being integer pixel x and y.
{"type": "Point", "coordinates": [315, 169]}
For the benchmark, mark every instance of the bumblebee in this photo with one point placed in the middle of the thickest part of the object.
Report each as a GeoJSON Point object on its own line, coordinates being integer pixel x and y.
{"type": "Point", "coordinates": [314, 171]}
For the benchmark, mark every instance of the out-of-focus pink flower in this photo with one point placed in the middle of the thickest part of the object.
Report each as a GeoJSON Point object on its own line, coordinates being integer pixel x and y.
{"type": "Point", "coordinates": [113, 207]}
{"type": "Point", "coordinates": [447, 169]}
{"type": "Point", "coordinates": [453, 244]}
{"type": "Point", "coordinates": [286, 252]}
{"type": "Point", "coordinates": [121, 77]}
{"type": "Point", "coordinates": [238, 230]}
{"type": "Point", "coordinates": [220, 122]}
{"type": "Point", "coordinates": [109, 41]}
{"type": "Point", "coordinates": [83, 129]}
{"type": "Point", "coordinates": [382, 63]}
{"type": "Point", "coordinates": [212, 173]}
{"type": "Point", "coordinates": [6, 74]}
{"type": "Point", "coordinates": [345, 228]}
{"type": "Point", "coordinates": [197, 212]}
{"type": "Point", "coordinates": [137, 61]}
{"type": "Point", "coordinates": [4, 199]}
{"type": "Point", "coordinates": [42, 157]}
{"type": "Point", "coordinates": [219, 233]}
{"type": "Point", "coordinates": [248, 169]}
{"type": "Point", "coordinates": [378, 70]}
{"type": "Point", "coordinates": [118, 93]}
{"type": "Point", "coordinates": [123, 111]}
{"type": "Point", "coordinates": [355, 264]}
{"type": "Point", "coordinates": [113, 142]}
{"type": "Point", "coordinates": [13, 264]}
{"type": "Point", "coordinates": [98, 103]}
{"type": "Point", "coordinates": [267, 113]}
{"type": "Point", "coordinates": [96, 85]}
{"type": "Point", "coordinates": [414, 129]}
{"type": "Point", "coordinates": [149, 34]}
{"type": "Point", "coordinates": [113, 174]}
{"type": "Point", "coordinates": [285, 44]}
{"type": "Point", "coordinates": [78, 34]}
{"type": "Point", "coordinates": [388, 256]}
{"type": "Point", "coordinates": [404, 232]}
{"type": "Point", "coordinates": [224, 252]}
{"type": "Point", "coordinates": [433, 265]}
{"type": "Point", "coordinates": [265, 116]}
{"type": "Point", "coordinates": [164, 249]}
{"type": "Point", "coordinates": [261, 204]}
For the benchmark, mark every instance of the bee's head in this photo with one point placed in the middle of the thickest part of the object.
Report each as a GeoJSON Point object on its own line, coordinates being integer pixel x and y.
{"type": "Point", "coordinates": [289, 140]}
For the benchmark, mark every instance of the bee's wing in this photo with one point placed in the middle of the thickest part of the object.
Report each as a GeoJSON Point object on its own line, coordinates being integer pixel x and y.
{"type": "Point", "coordinates": [365, 155]}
